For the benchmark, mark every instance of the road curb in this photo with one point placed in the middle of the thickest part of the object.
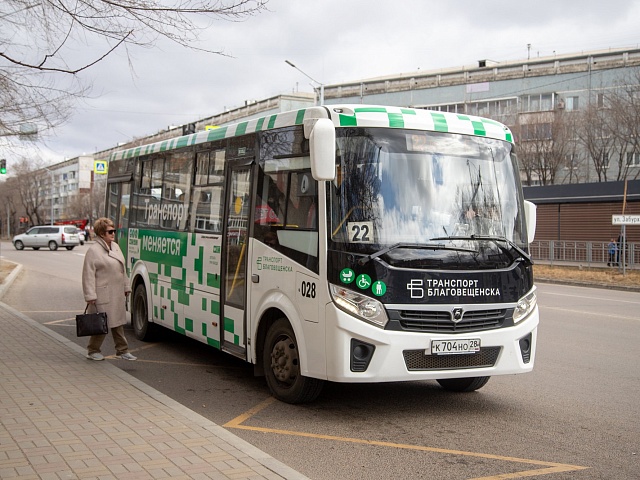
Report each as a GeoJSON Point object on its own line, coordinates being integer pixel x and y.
{"type": "Point", "coordinates": [10, 278]}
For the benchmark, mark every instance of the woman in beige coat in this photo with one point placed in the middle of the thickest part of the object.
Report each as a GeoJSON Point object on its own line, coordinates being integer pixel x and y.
{"type": "Point", "coordinates": [106, 286]}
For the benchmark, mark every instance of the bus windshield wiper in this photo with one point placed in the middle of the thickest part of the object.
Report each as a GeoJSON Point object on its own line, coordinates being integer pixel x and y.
{"type": "Point", "coordinates": [496, 239]}
{"type": "Point", "coordinates": [422, 246]}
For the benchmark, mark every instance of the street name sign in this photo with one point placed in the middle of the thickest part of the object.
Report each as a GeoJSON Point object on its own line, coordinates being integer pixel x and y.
{"type": "Point", "coordinates": [625, 220]}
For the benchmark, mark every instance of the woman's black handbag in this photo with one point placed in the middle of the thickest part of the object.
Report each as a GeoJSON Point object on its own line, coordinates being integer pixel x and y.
{"type": "Point", "coordinates": [88, 324]}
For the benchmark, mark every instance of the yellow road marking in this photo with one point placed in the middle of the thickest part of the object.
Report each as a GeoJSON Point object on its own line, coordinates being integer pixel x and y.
{"type": "Point", "coordinates": [552, 467]}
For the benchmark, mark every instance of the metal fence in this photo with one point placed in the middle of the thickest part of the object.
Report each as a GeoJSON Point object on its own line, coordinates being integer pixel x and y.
{"type": "Point", "coordinates": [584, 253]}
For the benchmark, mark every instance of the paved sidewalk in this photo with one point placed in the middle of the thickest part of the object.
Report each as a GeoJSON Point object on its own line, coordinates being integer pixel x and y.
{"type": "Point", "coordinates": [65, 417]}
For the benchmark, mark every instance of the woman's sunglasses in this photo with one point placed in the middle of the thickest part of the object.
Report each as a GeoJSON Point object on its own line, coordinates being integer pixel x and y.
{"type": "Point", "coordinates": [111, 232]}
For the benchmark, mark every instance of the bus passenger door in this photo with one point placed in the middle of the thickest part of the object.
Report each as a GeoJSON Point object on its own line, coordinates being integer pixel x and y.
{"type": "Point", "coordinates": [236, 243]}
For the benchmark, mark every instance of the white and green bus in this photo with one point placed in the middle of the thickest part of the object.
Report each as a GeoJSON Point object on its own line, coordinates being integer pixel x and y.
{"type": "Point", "coordinates": [342, 243]}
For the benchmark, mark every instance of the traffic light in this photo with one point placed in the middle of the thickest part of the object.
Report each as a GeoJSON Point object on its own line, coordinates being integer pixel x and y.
{"type": "Point", "coordinates": [3, 166]}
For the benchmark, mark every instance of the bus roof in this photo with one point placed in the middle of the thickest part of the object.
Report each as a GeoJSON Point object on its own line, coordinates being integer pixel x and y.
{"type": "Point", "coordinates": [342, 116]}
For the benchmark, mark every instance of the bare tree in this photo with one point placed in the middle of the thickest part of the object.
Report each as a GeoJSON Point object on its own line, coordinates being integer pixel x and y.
{"type": "Point", "coordinates": [594, 133]}
{"type": "Point", "coordinates": [31, 183]}
{"type": "Point", "coordinates": [44, 44]}
{"type": "Point", "coordinates": [9, 199]}
{"type": "Point", "coordinates": [624, 111]}
{"type": "Point", "coordinates": [79, 206]}
{"type": "Point", "coordinates": [543, 145]}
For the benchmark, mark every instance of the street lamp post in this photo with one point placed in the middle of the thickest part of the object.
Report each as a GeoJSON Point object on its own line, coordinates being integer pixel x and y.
{"type": "Point", "coordinates": [314, 81]}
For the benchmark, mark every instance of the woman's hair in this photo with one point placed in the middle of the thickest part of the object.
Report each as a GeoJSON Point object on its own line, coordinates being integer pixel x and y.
{"type": "Point", "coordinates": [102, 225]}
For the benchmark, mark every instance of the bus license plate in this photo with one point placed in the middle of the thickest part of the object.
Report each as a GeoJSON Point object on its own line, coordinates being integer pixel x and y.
{"type": "Point", "coordinates": [455, 347]}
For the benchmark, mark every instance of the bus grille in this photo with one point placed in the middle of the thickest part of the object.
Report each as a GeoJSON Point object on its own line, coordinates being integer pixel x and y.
{"type": "Point", "coordinates": [417, 360]}
{"type": "Point", "coordinates": [440, 321]}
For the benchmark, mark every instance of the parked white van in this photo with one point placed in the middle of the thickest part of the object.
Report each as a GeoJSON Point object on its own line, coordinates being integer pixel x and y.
{"type": "Point", "coordinates": [51, 236]}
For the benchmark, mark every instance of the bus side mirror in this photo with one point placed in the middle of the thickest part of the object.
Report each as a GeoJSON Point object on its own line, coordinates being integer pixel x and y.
{"type": "Point", "coordinates": [530, 218]}
{"type": "Point", "coordinates": [322, 145]}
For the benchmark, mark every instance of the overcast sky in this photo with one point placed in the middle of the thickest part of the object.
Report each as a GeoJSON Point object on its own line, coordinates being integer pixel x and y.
{"type": "Point", "coordinates": [333, 41]}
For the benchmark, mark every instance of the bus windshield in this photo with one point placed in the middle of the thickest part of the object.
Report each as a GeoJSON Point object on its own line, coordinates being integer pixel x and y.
{"type": "Point", "coordinates": [446, 200]}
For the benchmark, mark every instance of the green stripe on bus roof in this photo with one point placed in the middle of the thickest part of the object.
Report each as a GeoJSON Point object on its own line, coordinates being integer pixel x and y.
{"type": "Point", "coordinates": [396, 120]}
{"type": "Point", "coordinates": [272, 121]}
{"type": "Point", "coordinates": [241, 129]}
{"type": "Point", "coordinates": [478, 128]}
{"type": "Point", "coordinates": [370, 110]}
{"type": "Point", "coordinates": [259, 124]}
{"type": "Point", "coordinates": [348, 120]}
{"type": "Point", "coordinates": [217, 134]}
{"type": "Point", "coordinates": [300, 116]}
{"type": "Point", "coordinates": [406, 111]}
{"type": "Point", "coordinates": [439, 122]}
{"type": "Point", "coordinates": [183, 141]}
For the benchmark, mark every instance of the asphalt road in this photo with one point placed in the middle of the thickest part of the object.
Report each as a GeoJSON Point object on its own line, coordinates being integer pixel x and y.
{"type": "Point", "coordinates": [575, 417]}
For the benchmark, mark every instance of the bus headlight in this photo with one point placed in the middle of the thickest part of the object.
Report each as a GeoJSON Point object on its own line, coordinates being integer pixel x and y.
{"type": "Point", "coordinates": [365, 308]}
{"type": "Point", "coordinates": [525, 305]}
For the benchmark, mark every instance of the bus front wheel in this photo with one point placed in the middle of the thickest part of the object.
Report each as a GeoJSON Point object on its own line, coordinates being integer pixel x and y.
{"type": "Point", "coordinates": [282, 366]}
{"type": "Point", "coordinates": [143, 329]}
{"type": "Point", "coordinates": [470, 384]}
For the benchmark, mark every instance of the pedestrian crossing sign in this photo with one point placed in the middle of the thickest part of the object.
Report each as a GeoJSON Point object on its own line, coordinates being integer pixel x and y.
{"type": "Point", "coordinates": [100, 167]}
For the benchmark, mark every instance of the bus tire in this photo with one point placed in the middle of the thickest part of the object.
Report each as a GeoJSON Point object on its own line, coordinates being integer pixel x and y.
{"type": "Point", "coordinates": [282, 366]}
{"type": "Point", "coordinates": [143, 329]}
{"type": "Point", "coordinates": [470, 384]}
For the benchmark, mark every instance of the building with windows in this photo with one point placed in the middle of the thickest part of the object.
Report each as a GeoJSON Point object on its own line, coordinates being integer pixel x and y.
{"type": "Point", "coordinates": [63, 186]}
{"type": "Point", "coordinates": [566, 111]}
{"type": "Point", "coordinates": [572, 115]}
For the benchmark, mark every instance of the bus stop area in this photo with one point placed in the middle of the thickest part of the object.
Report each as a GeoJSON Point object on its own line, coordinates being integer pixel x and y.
{"type": "Point", "coordinates": [64, 416]}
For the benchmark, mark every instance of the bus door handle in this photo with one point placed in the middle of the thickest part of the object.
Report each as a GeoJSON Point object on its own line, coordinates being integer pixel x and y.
{"type": "Point", "coordinates": [255, 278]}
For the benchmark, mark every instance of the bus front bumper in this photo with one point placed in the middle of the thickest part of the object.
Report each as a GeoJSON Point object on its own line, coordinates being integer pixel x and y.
{"type": "Point", "coordinates": [358, 352]}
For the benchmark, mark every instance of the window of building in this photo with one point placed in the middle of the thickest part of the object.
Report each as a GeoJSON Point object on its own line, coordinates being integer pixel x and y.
{"type": "Point", "coordinates": [536, 131]}
{"type": "Point", "coordinates": [537, 103]}
{"type": "Point", "coordinates": [571, 103]}
{"type": "Point", "coordinates": [633, 159]}
{"type": "Point", "coordinates": [546, 102]}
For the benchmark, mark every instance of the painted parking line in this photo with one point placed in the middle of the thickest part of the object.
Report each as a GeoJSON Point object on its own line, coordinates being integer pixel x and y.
{"type": "Point", "coordinates": [547, 467]}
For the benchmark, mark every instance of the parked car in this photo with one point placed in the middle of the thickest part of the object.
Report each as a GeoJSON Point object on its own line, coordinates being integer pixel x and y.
{"type": "Point", "coordinates": [52, 236]}
{"type": "Point", "coordinates": [81, 235]}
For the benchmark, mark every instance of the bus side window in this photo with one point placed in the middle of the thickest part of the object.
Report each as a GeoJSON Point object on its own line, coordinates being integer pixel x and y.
{"type": "Point", "coordinates": [206, 209]}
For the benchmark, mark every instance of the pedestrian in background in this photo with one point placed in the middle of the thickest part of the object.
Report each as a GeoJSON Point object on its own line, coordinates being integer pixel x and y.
{"type": "Point", "coordinates": [613, 248]}
{"type": "Point", "coordinates": [106, 286]}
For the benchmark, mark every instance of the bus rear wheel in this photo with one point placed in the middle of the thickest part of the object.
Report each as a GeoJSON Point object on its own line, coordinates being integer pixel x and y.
{"type": "Point", "coordinates": [143, 329]}
{"type": "Point", "coordinates": [470, 384]}
{"type": "Point", "coordinates": [282, 366]}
